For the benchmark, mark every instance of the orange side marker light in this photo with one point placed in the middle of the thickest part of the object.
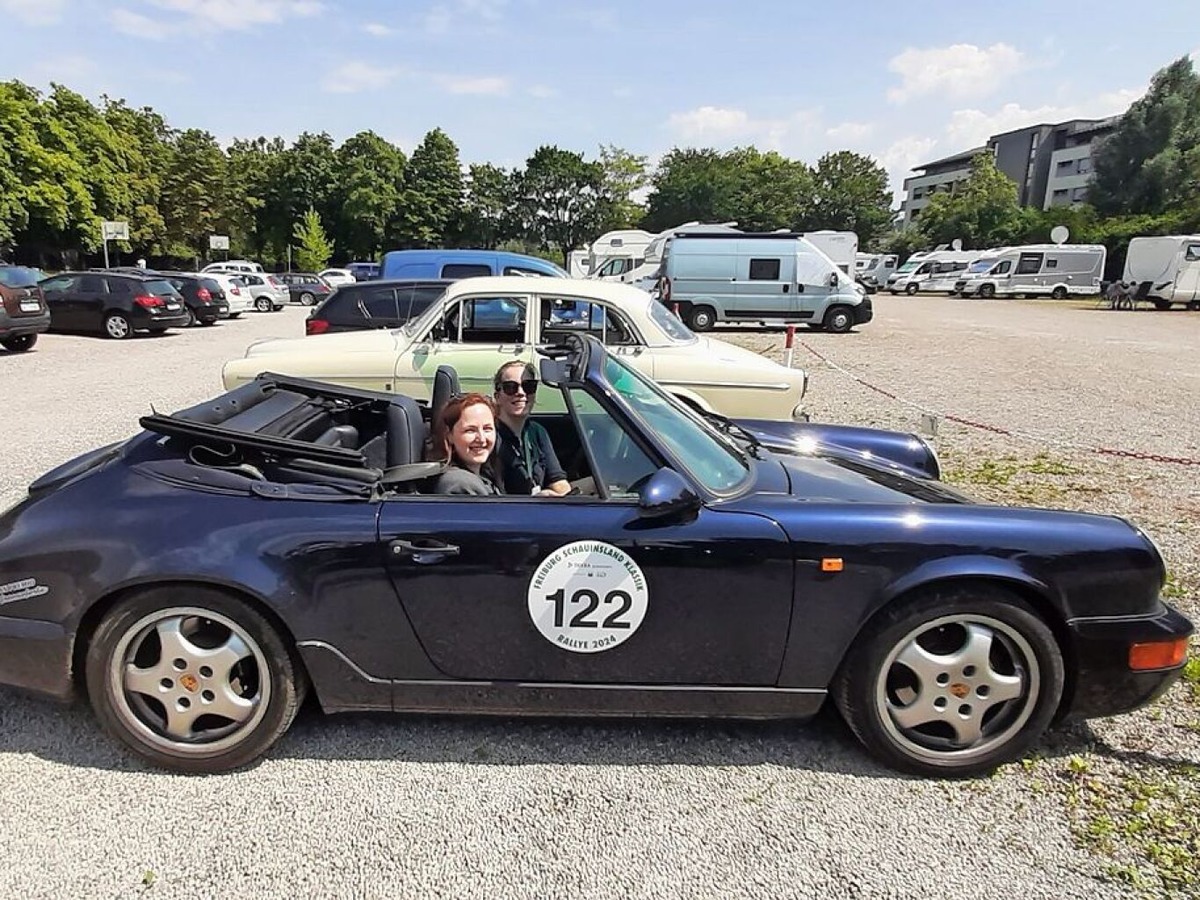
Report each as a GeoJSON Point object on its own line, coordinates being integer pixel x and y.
{"type": "Point", "coordinates": [832, 564]}
{"type": "Point", "coordinates": [1157, 654]}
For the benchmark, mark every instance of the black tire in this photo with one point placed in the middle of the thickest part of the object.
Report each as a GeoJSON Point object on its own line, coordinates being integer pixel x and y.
{"type": "Point", "coordinates": [1059, 293]}
{"type": "Point", "coordinates": [263, 304]}
{"type": "Point", "coordinates": [1164, 305]}
{"type": "Point", "coordinates": [919, 725]}
{"type": "Point", "coordinates": [910, 289]}
{"type": "Point", "coordinates": [307, 298]}
{"type": "Point", "coordinates": [702, 318]}
{"type": "Point", "coordinates": [207, 322]}
{"type": "Point", "coordinates": [1194, 305]}
{"type": "Point", "coordinates": [192, 321]}
{"type": "Point", "coordinates": [117, 326]}
{"type": "Point", "coordinates": [235, 315]}
{"type": "Point", "coordinates": [815, 326]}
{"type": "Point", "coordinates": [987, 291]}
{"type": "Point", "coordinates": [19, 343]}
{"type": "Point", "coordinates": [839, 319]}
{"type": "Point", "coordinates": [256, 678]}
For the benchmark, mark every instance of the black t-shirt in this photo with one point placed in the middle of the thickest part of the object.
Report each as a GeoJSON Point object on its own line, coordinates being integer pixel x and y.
{"type": "Point", "coordinates": [528, 461]}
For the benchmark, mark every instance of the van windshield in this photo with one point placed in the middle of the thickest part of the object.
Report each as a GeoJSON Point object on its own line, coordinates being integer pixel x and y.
{"type": "Point", "coordinates": [981, 265]}
{"type": "Point", "coordinates": [909, 266]}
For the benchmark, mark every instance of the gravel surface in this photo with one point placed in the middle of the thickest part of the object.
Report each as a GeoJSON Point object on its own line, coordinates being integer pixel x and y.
{"type": "Point", "coordinates": [364, 806]}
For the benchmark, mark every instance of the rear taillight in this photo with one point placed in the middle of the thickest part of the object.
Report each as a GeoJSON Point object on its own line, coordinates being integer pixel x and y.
{"type": "Point", "coordinates": [315, 326]}
{"type": "Point", "coordinates": [204, 296]}
{"type": "Point", "coordinates": [147, 301]}
{"type": "Point", "coordinates": [322, 289]}
{"type": "Point", "coordinates": [234, 290]}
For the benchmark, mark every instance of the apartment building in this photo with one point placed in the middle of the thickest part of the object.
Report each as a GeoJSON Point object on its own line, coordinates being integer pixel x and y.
{"type": "Point", "coordinates": [1051, 164]}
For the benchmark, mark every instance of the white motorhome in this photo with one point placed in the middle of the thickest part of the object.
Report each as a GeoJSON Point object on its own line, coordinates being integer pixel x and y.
{"type": "Point", "coordinates": [1172, 266]}
{"type": "Point", "coordinates": [934, 272]}
{"type": "Point", "coordinates": [840, 246]}
{"type": "Point", "coordinates": [615, 255]}
{"type": "Point", "coordinates": [579, 264]}
{"type": "Point", "coordinates": [873, 269]}
{"type": "Point", "coordinates": [1036, 270]}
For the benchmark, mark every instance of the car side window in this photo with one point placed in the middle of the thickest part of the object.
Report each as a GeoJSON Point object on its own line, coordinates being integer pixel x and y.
{"type": "Point", "coordinates": [91, 284]}
{"type": "Point", "coordinates": [485, 320]}
{"type": "Point", "coordinates": [1002, 268]}
{"type": "Point", "coordinates": [378, 303]}
{"type": "Point", "coordinates": [620, 464]}
{"type": "Point", "coordinates": [522, 271]}
{"type": "Point", "coordinates": [565, 315]}
{"type": "Point", "coordinates": [60, 283]}
{"type": "Point", "coordinates": [465, 270]}
{"type": "Point", "coordinates": [1192, 254]}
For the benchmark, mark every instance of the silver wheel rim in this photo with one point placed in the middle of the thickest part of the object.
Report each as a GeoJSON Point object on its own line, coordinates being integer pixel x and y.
{"type": "Point", "coordinates": [306, 299]}
{"type": "Point", "coordinates": [702, 320]}
{"type": "Point", "coordinates": [840, 321]}
{"type": "Point", "coordinates": [190, 681]}
{"type": "Point", "coordinates": [956, 688]}
{"type": "Point", "coordinates": [117, 327]}
{"type": "Point", "coordinates": [263, 304]}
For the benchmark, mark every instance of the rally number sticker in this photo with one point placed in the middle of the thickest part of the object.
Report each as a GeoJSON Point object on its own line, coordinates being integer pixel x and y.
{"type": "Point", "coordinates": [587, 597]}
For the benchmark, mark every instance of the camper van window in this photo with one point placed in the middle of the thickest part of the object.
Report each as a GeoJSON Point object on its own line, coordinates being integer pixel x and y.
{"type": "Point", "coordinates": [1052, 264]}
{"type": "Point", "coordinates": [1192, 253]}
{"type": "Point", "coordinates": [1003, 267]}
{"type": "Point", "coordinates": [465, 270]}
{"type": "Point", "coordinates": [764, 269]}
{"type": "Point", "coordinates": [1029, 264]}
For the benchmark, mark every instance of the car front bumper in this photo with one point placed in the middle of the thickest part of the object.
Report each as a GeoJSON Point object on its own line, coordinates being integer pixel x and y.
{"type": "Point", "coordinates": [1104, 684]}
{"type": "Point", "coordinates": [865, 311]}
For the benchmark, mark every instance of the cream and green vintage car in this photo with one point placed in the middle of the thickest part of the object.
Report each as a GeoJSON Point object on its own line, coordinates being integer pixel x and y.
{"type": "Point", "coordinates": [480, 323]}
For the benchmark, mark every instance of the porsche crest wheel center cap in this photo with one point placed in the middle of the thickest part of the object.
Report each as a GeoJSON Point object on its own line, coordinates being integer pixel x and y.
{"type": "Point", "coordinates": [958, 689]}
{"type": "Point", "coordinates": [190, 683]}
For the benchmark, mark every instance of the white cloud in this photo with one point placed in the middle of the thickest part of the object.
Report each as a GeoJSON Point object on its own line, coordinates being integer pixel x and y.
{"type": "Point", "coordinates": [353, 77]}
{"type": "Point", "coordinates": [900, 157]}
{"type": "Point", "coordinates": [712, 122]}
{"type": "Point", "coordinates": [850, 132]}
{"type": "Point", "coordinates": [543, 92]}
{"type": "Point", "coordinates": [486, 85]}
{"type": "Point", "coordinates": [128, 22]}
{"type": "Point", "coordinates": [33, 12]}
{"type": "Point", "coordinates": [377, 29]}
{"type": "Point", "coordinates": [723, 125]}
{"type": "Point", "coordinates": [238, 15]}
{"type": "Point", "coordinates": [972, 127]}
{"type": "Point", "coordinates": [956, 71]}
{"type": "Point", "coordinates": [441, 15]}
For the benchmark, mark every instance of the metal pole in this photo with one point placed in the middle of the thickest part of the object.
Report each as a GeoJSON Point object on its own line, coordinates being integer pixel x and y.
{"type": "Point", "coordinates": [791, 338]}
{"type": "Point", "coordinates": [106, 253]}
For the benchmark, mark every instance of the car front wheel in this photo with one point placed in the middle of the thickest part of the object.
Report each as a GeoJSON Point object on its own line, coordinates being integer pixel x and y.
{"type": "Point", "coordinates": [952, 684]}
{"type": "Point", "coordinates": [839, 320]}
{"type": "Point", "coordinates": [192, 679]}
{"type": "Point", "coordinates": [307, 299]}
{"type": "Point", "coordinates": [19, 343]}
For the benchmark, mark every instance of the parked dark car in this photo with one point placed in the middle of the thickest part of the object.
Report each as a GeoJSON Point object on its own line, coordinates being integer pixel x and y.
{"type": "Point", "coordinates": [307, 288]}
{"type": "Point", "coordinates": [364, 271]}
{"type": "Point", "coordinates": [374, 304]}
{"type": "Point", "coordinates": [204, 298]}
{"type": "Point", "coordinates": [702, 568]}
{"type": "Point", "coordinates": [114, 305]}
{"type": "Point", "coordinates": [23, 312]}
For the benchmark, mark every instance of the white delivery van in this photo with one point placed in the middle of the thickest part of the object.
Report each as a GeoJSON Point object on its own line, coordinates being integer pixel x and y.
{"type": "Point", "coordinates": [934, 272]}
{"type": "Point", "coordinates": [1170, 264]}
{"type": "Point", "coordinates": [1038, 270]}
{"type": "Point", "coordinates": [771, 277]}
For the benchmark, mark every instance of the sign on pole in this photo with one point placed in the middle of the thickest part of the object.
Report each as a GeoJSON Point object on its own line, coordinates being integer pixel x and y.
{"type": "Point", "coordinates": [114, 231]}
{"type": "Point", "coordinates": [218, 242]}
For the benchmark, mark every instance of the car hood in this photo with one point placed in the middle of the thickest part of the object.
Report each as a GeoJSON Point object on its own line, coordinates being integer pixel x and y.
{"type": "Point", "coordinates": [372, 341]}
{"type": "Point", "coordinates": [832, 477]}
{"type": "Point", "coordinates": [721, 352]}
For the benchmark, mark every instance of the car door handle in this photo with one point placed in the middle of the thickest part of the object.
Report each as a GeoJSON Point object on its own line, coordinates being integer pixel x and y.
{"type": "Point", "coordinates": [422, 552]}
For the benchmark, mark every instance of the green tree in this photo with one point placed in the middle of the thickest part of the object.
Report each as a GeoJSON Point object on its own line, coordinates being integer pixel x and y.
{"type": "Point", "coordinates": [850, 193]}
{"type": "Point", "coordinates": [433, 193]}
{"type": "Point", "coordinates": [147, 154]}
{"type": "Point", "coordinates": [983, 211]}
{"type": "Point", "coordinates": [625, 174]}
{"type": "Point", "coordinates": [766, 191]}
{"type": "Point", "coordinates": [689, 185]}
{"type": "Point", "coordinates": [369, 188]}
{"type": "Point", "coordinates": [487, 216]}
{"type": "Point", "coordinates": [313, 247]}
{"type": "Point", "coordinates": [250, 167]}
{"type": "Point", "coordinates": [1151, 161]}
{"type": "Point", "coordinates": [561, 199]}
{"type": "Point", "coordinates": [300, 178]}
{"type": "Point", "coordinates": [192, 189]}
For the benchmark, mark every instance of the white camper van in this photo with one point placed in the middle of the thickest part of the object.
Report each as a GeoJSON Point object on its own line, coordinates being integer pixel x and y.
{"type": "Point", "coordinates": [933, 272]}
{"type": "Point", "coordinates": [1171, 265]}
{"type": "Point", "coordinates": [615, 255]}
{"type": "Point", "coordinates": [1036, 270]}
{"type": "Point", "coordinates": [647, 275]}
{"type": "Point", "coordinates": [840, 246]}
{"type": "Point", "coordinates": [873, 269]}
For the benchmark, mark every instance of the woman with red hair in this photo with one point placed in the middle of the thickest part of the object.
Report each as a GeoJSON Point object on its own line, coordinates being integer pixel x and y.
{"type": "Point", "coordinates": [464, 437]}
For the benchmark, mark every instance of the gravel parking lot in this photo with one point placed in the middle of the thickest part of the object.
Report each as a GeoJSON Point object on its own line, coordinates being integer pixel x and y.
{"type": "Point", "coordinates": [368, 806]}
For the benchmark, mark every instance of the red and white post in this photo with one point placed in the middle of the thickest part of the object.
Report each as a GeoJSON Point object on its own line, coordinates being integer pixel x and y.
{"type": "Point", "coordinates": [788, 344]}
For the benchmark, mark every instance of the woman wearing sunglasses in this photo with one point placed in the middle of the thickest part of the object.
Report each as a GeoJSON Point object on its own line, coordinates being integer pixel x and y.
{"type": "Point", "coordinates": [464, 437]}
{"type": "Point", "coordinates": [528, 464]}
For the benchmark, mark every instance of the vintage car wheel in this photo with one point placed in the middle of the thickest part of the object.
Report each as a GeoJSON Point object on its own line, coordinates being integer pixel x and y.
{"type": "Point", "coordinates": [307, 299]}
{"type": "Point", "coordinates": [263, 304]}
{"type": "Point", "coordinates": [952, 684]}
{"type": "Point", "coordinates": [19, 343]}
{"type": "Point", "coordinates": [987, 291]}
{"type": "Point", "coordinates": [192, 679]}
{"type": "Point", "coordinates": [839, 319]}
{"type": "Point", "coordinates": [117, 327]}
{"type": "Point", "coordinates": [702, 318]}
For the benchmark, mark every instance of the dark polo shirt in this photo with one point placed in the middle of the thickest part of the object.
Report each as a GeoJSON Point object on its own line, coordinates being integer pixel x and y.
{"type": "Point", "coordinates": [528, 461]}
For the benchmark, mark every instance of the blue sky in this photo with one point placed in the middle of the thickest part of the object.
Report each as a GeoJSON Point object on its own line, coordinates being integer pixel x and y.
{"type": "Point", "coordinates": [905, 83]}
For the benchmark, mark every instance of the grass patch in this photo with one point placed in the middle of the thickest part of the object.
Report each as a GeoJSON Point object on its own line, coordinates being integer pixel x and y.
{"type": "Point", "coordinates": [1033, 481]}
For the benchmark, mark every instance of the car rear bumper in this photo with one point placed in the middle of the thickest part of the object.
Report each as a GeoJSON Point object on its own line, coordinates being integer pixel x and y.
{"type": "Point", "coordinates": [1105, 685]}
{"type": "Point", "coordinates": [14, 326]}
{"type": "Point", "coordinates": [35, 656]}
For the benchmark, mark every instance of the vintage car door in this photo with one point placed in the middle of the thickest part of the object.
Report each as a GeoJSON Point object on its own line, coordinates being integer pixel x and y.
{"type": "Point", "coordinates": [475, 335]}
{"type": "Point", "coordinates": [585, 590]}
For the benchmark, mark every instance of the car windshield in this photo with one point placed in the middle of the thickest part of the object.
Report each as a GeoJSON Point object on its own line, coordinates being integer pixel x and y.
{"type": "Point", "coordinates": [670, 324]}
{"type": "Point", "coordinates": [17, 277]}
{"type": "Point", "coordinates": [981, 265]}
{"type": "Point", "coordinates": [714, 461]}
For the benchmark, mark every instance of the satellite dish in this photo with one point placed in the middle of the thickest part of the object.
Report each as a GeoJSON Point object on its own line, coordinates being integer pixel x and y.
{"type": "Point", "coordinates": [956, 244]}
{"type": "Point", "coordinates": [1059, 234]}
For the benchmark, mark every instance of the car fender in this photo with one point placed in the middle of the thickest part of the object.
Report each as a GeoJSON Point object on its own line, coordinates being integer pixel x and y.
{"type": "Point", "coordinates": [974, 567]}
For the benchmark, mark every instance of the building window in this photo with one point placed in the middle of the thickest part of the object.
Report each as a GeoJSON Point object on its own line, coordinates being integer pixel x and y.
{"type": "Point", "coordinates": [1085, 165]}
{"type": "Point", "coordinates": [1078, 195]}
{"type": "Point", "coordinates": [1059, 197]}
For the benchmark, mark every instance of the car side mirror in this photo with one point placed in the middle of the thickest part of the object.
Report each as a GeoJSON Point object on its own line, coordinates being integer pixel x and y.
{"type": "Point", "coordinates": [833, 279]}
{"type": "Point", "coordinates": [664, 494]}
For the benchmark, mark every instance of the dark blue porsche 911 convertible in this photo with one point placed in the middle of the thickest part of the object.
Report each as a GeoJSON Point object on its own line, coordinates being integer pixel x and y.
{"type": "Point", "coordinates": [196, 581]}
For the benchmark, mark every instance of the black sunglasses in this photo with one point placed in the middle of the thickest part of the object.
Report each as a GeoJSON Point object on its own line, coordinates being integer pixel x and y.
{"type": "Point", "coordinates": [529, 386]}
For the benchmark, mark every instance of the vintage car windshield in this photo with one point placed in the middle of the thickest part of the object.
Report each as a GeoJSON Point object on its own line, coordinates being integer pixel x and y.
{"type": "Point", "coordinates": [676, 331]}
{"type": "Point", "coordinates": [717, 463]}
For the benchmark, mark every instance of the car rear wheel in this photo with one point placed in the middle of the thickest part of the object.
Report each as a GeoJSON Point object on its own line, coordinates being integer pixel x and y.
{"type": "Point", "coordinates": [953, 683]}
{"type": "Point", "coordinates": [263, 304]}
{"type": "Point", "coordinates": [192, 320]}
{"type": "Point", "coordinates": [1194, 305]}
{"type": "Point", "coordinates": [702, 318]}
{"type": "Point", "coordinates": [839, 319]}
{"type": "Point", "coordinates": [19, 343]}
{"type": "Point", "coordinates": [307, 299]}
{"type": "Point", "coordinates": [1059, 293]}
{"type": "Point", "coordinates": [117, 327]}
{"type": "Point", "coordinates": [192, 679]}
